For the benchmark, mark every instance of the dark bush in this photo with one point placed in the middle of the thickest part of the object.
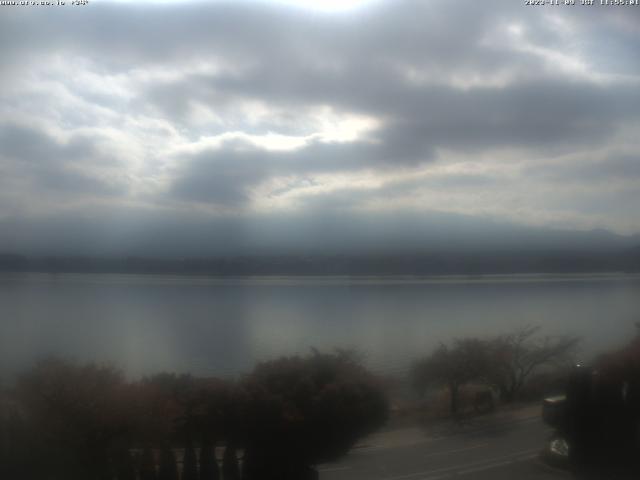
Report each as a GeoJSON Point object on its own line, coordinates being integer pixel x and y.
{"type": "Point", "coordinates": [168, 468]}
{"type": "Point", "coordinates": [208, 464]}
{"type": "Point", "coordinates": [189, 464]}
{"type": "Point", "coordinates": [147, 465]}
{"type": "Point", "coordinates": [79, 415]}
{"type": "Point", "coordinates": [300, 411]}
{"type": "Point", "coordinates": [230, 470]}
{"type": "Point", "coordinates": [82, 421]}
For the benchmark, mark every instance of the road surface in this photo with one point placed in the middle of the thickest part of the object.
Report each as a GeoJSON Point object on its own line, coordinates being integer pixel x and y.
{"type": "Point", "coordinates": [500, 448]}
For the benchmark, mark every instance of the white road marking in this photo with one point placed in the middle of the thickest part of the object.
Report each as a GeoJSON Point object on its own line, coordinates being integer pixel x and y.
{"type": "Point", "coordinates": [333, 469]}
{"type": "Point", "coordinates": [448, 452]}
{"type": "Point", "coordinates": [487, 464]}
{"type": "Point", "coordinates": [495, 465]}
{"type": "Point", "coordinates": [364, 449]}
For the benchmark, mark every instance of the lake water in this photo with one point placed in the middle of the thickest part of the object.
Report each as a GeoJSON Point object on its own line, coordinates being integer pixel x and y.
{"type": "Point", "coordinates": [211, 326]}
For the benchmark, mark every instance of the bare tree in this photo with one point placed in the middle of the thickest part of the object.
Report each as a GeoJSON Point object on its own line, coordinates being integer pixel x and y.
{"type": "Point", "coordinates": [516, 356]}
{"type": "Point", "coordinates": [505, 362]}
{"type": "Point", "coordinates": [452, 366]}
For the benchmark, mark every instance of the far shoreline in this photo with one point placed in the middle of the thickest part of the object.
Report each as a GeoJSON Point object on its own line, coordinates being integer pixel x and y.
{"type": "Point", "coordinates": [328, 279]}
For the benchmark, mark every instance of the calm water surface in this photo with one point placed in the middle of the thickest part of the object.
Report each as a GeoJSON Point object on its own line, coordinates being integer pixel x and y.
{"type": "Point", "coordinates": [214, 326]}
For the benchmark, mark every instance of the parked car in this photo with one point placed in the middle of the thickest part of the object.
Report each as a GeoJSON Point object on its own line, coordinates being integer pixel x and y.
{"type": "Point", "coordinates": [596, 422]}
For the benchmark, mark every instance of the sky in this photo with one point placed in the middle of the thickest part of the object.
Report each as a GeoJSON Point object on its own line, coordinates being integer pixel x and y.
{"type": "Point", "coordinates": [195, 128]}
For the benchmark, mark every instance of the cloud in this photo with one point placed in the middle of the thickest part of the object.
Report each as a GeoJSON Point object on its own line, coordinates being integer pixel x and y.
{"type": "Point", "coordinates": [76, 166]}
{"type": "Point", "coordinates": [248, 107]}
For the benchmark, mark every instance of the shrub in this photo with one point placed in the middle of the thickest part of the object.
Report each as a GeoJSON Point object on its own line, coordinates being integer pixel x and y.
{"type": "Point", "coordinates": [300, 411]}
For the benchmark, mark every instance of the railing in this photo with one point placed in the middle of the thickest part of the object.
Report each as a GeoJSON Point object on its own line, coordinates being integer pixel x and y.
{"type": "Point", "coordinates": [202, 463]}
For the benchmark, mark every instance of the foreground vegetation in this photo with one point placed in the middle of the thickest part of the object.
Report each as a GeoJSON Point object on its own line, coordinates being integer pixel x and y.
{"type": "Point", "coordinates": [505, 364]}
{"type": "Point", "coordinates": [62, 420]}
{"type": "Point", "coordinates": [68, 421]}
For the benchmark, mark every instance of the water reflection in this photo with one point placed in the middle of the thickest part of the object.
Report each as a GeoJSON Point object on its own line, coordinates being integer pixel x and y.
{"type": "Point", "coordinates": [223, 326]}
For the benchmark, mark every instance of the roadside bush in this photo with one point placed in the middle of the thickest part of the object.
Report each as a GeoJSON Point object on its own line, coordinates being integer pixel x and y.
{"type": "Point", "coordinates": [300, 411]}
{"type": "Point", "coordinates": [78, 416]}
{"type": "Point", "coordinates": [82, 422]}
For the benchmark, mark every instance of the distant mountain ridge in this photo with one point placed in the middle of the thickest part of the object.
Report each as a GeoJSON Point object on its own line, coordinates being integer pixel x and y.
{"type": "Point", "coordinates": [550, 261]}
{"type": "Point", "coordinates": [382, 244]}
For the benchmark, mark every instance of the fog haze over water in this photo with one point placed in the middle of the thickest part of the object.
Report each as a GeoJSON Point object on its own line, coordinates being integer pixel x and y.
{"type": "Point", "coordinates": [215, 326]}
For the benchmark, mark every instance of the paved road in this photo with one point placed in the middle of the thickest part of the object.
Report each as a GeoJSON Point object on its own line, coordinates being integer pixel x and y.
{"type": "Point", "coordinates": [507, 449]}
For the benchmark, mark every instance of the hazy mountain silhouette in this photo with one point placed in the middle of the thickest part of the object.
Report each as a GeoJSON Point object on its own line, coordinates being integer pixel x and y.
{"type": "Point", "coordinates": [445, 244]}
